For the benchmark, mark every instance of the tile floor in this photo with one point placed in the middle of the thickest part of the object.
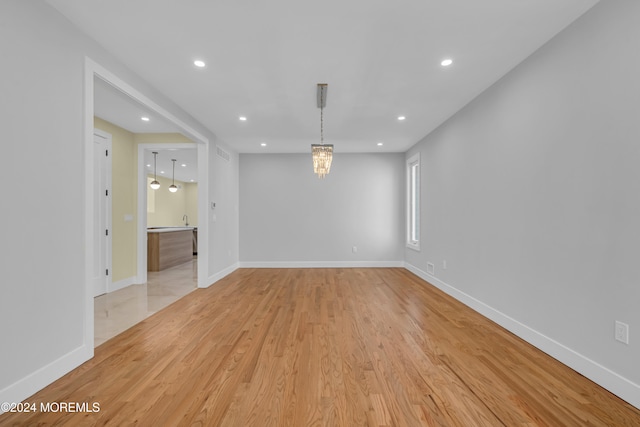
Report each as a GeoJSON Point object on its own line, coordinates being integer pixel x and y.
{"type": "Point", "coordinates": [117, 311]}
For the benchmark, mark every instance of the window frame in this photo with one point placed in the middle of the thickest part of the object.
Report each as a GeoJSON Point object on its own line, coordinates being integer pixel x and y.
{"type": "Point", "coordinates": [413, 202]}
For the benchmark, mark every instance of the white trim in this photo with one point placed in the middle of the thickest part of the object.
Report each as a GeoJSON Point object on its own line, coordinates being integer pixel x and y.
{"type": "Point", "coordinates": [220, 275]}
{"type": "Point", "coordinates": [203, 214]}
{"type": "Point", "coordinates": [411, 161]}
{"type": "Point", "coordinates": [36, 381]}
{"type": "Point", "coordinates": [616, 384]}
{"type": "Point", "coordinates": [121, 284]}
{"type": "Point", "coordinates": [89, 214]}
{"type": "Point", "coordinates": [414, 246]}
{"type": "Point", "coordinates": [320, 264]}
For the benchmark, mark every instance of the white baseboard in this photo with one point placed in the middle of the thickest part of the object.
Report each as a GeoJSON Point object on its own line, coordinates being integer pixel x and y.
{"type": "Point", "coordinates": [616, 384]}
{"type": "Point", "coordinates": [120, 284]}
{"type": "Point", "coordinates": [218, 276]}
{"type": "Point", "coordinates": [32, 383]}
{"type": "Point", "coordinates": [320, 264]}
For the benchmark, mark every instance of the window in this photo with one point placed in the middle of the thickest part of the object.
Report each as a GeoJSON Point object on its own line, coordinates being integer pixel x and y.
{"type": "Point", "coordinates": [413, 202]}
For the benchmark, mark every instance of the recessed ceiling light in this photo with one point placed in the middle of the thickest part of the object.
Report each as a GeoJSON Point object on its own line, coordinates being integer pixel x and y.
{"type": "Point", "coordinates": [401, 117]}
{"type": "Point", "coordinates": [263, 144]}
{"type": "Point", "coordinates": [144, 119]}
{"type": "Point", "coordinates": [198, 63]}
{"type": "Point", "coordinates": [380, 144]}
{"type": "Point", "coordinates": [183, 165]}
{"type": "Point", "coordinates": [446, 62]}
{"type": "Point", "coordinates": [242, 118]}
{"type": "Point", "coordinates": [191, 180]}
{"type": "Point", "coordinates": [148, 166]}
{"type": "Point", "coordinates": [161, 171]}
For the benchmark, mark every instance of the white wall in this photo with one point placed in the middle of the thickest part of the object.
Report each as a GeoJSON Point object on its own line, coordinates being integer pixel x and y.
{"type": "Point", "coordinates": [223, 220]}
{"type": "Point", "coordinates": [283, 205]}
{"type": "Point", "coordinates": [42, 305]}
{"type": "Point", "coordinates": [532, 195]}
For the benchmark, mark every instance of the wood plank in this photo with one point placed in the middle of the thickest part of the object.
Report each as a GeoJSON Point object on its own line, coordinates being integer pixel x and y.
{"type": "Point", "coordinates": [153, 251]}
{"type": "Point", "coordinates": [335, 347]}
{"type": "Point", "coordinates": [168, 249]}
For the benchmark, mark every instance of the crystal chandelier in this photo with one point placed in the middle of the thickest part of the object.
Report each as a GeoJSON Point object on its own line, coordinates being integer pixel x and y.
{"type": "Point", "coordinates": [322, 154]}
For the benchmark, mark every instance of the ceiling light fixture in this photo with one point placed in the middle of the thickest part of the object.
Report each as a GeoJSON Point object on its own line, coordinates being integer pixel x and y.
{"type": "Point", "coordinates": [380, 144]}
{"type": "Point", "coordinates": [242, 118]}
{"type": "Point", "coordinates": [401, 118]}
{"type": "Point", "coordinates": [446, 62]}
{"type": "Point", "coordinates": [263, 144]}
{"type": "Point", "coordinates": [173, 187]}
{"type": "Point", "coordinates": [322, 154]}
{"type": "Point", "coordinates": [144, 119]}
{"type": "Point", "coordinates": [198, 63]}
{"type": "Point", "coordinates": [154, 184]}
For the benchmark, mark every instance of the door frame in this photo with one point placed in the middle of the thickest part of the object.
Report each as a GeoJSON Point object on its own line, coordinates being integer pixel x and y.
{"type": "Point", "coordinates": [92, 70]}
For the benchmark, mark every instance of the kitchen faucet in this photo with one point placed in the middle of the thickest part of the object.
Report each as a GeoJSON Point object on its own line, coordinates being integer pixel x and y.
{"type": "Point", "coordinates": [185, 218]}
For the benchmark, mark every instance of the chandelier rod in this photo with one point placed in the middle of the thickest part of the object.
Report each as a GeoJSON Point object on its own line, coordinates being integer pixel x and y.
{"type": "Point", "coordinates": [322, 102]}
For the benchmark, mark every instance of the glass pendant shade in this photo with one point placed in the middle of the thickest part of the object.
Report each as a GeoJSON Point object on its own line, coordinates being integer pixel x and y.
{"type": "Point", "coordinates": [173, 188]}
{"type": "Point", "coordinates": [322, 156]}
{"type": "Point", "coordinates": [154, 185]}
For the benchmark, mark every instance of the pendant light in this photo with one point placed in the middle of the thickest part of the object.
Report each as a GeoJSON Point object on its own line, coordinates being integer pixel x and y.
{"type": "Point", "coordinates": [322, 154]}
{"type": "Point", "coordinates": [154, 184]}
{"type": "Point", "coordinates": [173, 187]}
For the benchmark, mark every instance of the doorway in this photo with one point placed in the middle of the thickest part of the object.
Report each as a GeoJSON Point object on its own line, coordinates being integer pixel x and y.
{"type": "Point", "coordinates": [171, 215]}
{"type": "Point", "coordinates": [92, 221]}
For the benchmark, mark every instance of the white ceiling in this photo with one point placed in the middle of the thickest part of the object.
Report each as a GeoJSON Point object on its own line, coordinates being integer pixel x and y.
{"type": "Point", "coordinates": [380, 58]}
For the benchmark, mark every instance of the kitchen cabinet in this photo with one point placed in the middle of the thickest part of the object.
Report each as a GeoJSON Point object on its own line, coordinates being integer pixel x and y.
{"type": "Point", "coordinates": [168, 247]}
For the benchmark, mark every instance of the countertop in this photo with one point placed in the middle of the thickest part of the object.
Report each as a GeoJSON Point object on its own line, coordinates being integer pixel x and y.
{"type": "Point", "coordinates": [169, 229]}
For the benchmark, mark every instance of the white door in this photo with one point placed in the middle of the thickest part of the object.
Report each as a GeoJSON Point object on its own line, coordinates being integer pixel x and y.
{"type": "Point", "coordinates": [102, 210]}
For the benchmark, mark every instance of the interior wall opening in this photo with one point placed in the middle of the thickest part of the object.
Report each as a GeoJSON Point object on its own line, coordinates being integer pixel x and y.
{"type": "Point", "coordinates": [107, 100]}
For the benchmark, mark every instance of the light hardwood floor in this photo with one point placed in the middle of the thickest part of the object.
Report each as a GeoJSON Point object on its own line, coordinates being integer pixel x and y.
{"type": "Point", "coordinates": [332, 347]}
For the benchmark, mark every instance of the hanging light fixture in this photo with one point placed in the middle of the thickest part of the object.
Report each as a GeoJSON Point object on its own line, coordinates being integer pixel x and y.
{"type": "Point", "coordinates": [173, 187]}
{"type": "Point", "coordinates": [322, 154]}
{"type": "Point", "coordinates": [154, 184]}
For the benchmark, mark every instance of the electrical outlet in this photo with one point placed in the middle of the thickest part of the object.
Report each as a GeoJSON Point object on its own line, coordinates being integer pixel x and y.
{"type": "Point", "coordinates": [430, 268]}
{"type": "Point", "coordinates": [622, 332]}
